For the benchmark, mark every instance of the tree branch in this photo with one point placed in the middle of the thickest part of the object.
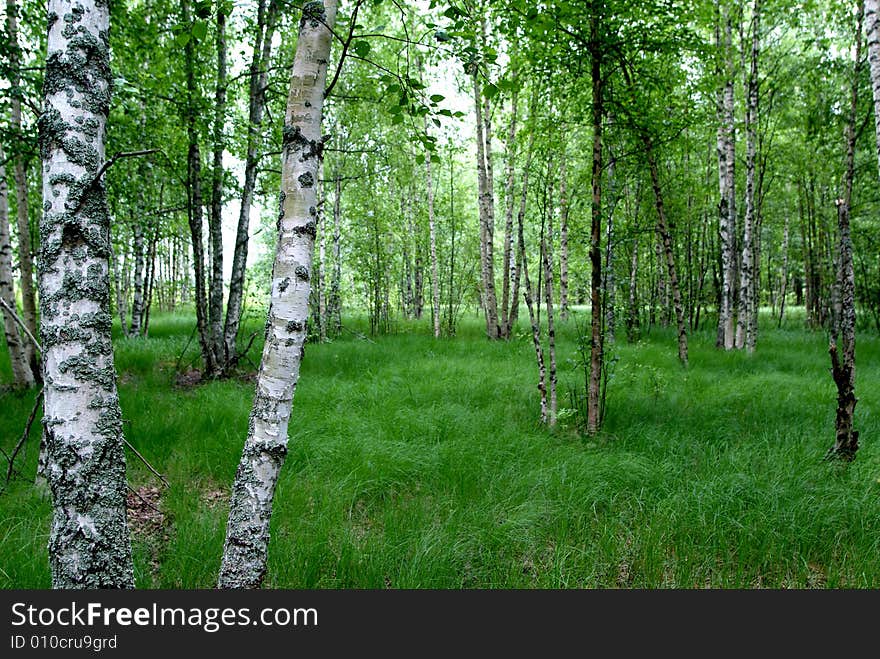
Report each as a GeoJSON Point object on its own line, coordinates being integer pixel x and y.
{"type": "Point", "coordinates": [20, 323]}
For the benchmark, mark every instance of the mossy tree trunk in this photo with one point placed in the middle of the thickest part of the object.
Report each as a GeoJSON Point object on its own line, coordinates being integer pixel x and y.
{"type": "Point", "coordinates": [89, 545]}
{"type": "Point", "coordinates": [247, 532]}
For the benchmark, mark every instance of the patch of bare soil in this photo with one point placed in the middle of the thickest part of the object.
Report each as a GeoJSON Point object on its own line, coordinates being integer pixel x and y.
{"type": "Point", "coordinates": [189, 378]}
{"type": "Point", "coordinates": [147, 522]}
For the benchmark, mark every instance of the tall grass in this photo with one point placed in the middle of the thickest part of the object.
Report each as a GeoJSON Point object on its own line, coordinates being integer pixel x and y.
{"type": "Point", "coordinates": [420, 463]}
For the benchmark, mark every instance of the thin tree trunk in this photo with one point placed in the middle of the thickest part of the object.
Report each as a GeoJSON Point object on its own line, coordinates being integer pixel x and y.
{"type": "Point", "coordinates": [247, 532]}
{"type": "Point", "coordinates": [137, 305]}
{"type": "Point", "coordinates": [194, 201]}
{"type": "Point", "coordinates": [435, 277]}
{"type": "Point", "coordinates": [563, 236]}
{"type": "Point", "coordinates": [666, 240]}
{"type": "Point", "coordinates": [521, 214]}
{"type": "Point", "coordinates": [89, 545]}
{"type": "Point", "coordinates": [120, 296]}
{"type": "Point", "coordinates": [320, 284]}
{"type": "Point", "coordinates": [335, 284]}
{"type": "Point", "coordinates": [215, 218]}
{"type": "Point", "coordinates": [487, 211]}
{"type": "Point", "coordinates": [546, 258]}
{"type": "Point", "coordinates": [596, 342]}
{"type": "Point", "coordinates": [19, 173]}
{"type": "Point", "coordinates": [843, 367]}
{"type": "Point", "coordinates": [608, 284]}
{"type": "Point", "coordinates": [727, 205]}
{"type": "Point", "coordinates": [872, 27]}
{"type": "Point", "coordinates": [533, 319]}
{"type": "Point", "coordinates": [632, 318]}
{"type": "Point", "coordinates": [509, 259]}
{"type": "Point", "coordinates": [22, 375]}
{"type": "Point", "coordinates": [150, 280]}
{"type": "Point", "coordinates": [747, 287]}
{"type": "Point", "coordinates": [783, 290]}
{"type": "Point", "coordinates": [266, 19]}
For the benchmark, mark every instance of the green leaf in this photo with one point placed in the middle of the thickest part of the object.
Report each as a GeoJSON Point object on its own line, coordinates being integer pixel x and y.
{"type": "Point", "coordinates": [361, 48]}
{"type": "Point", "coordinates": [435, 158]}
{"type": "Point", "coordinates": [398, 119]}
{"type": "Point", "coordinates": [199, 30]}
{"type": "Point", "coordinates": [490, 90]}
{"type": "Point", "coordinates": [437, 123]}
{"type": "Point", "coordinates": [436, 98]}
{"type": "Point", "coordinates": [180, 40]}
{"type": "Point", "coordinates": [420, 159]}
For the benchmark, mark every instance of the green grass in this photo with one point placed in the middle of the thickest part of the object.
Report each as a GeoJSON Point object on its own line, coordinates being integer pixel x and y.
{"type": "Point", "coordinates": [417, 463]}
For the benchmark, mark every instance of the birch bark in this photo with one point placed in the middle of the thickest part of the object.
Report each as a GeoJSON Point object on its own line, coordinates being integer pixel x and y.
{"type": "Point", "coordinates": [843, 367]}
{"type": "Point", "coordinates": [747, 301]}
{"type": "Point", "coordinates": [247, 532]}
{"type": "Point", "coordinates": [19, 172]}
{"type": "Point", "coordinates": [22, 375]}
{"type": "Point", "coordinates": [89, 545]}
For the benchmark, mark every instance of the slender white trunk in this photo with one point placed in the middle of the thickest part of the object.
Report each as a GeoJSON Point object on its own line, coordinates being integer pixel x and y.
{"type": "Point", "coordinates": [25, 257]}
{"type": "Point", "coordinates": [247, 532]}
{"type": "Point", "coordinates": [322, 252]}
{"type": "Point", "coordinates": [435, 277]}
{"type": "Point", "coordinates": [727, 205]}
{"type": "Point", "coordinates": [137, 306]}
{"type": "Point", "coordinates": [21, 369]}
{"type": "Point", "coordinates": [336, 283]}
{"type": "Point", "coordinates": [509, 258]}
{"type": "Point", "coordinates": [747, 288]}
{"type": "Point", "coordinates": [89, 545]}
{"type": "Point", "coordinates": [872, 28]}
{"type": "Point", "coordinates": [563, 236]}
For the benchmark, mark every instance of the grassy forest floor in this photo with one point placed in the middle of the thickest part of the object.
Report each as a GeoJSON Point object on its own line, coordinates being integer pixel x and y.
{"type": "Point", "coordinates": [419, 463]}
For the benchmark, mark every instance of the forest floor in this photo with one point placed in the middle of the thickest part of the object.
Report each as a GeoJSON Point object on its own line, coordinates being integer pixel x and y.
{"type": "Point", "coordinates": [418, 463]}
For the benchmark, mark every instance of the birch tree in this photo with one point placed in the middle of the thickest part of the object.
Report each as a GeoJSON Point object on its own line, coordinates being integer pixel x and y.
{"type": "Point", "coordinates": [726, 181]}
{"type": "Point", "coordinates": [872, 28]}
{"type": "Point", "coordinates": [247, 532]}
{"type": "Point", "coordinates": [89, 544]}
{"type": "Point", "coordinates": [19, 172]}
{"type": "Point", "coordinates": [22, 375]}
{"type": "Point", "coordinates": [843, 367]}
{"type": "Point", "coordinates": [745, 336]}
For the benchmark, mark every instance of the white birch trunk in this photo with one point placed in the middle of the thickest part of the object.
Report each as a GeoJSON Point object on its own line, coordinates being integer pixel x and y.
{"type": "Point", "coordinates": [563, 237]}
{"type": "Point", "coordinates": [747, 301]}
{"type": "Point", "coordinates": [22, 375]}
{"type": "Point", "coordinates": [25, 257]}
{"type": "Point", "coordinates": [872, 28]}
{"type": "Point", "coordinates": [89, 544]}
{"type": "Point", "coordinates": [247, 532]}
{"type": "Point", "coordinates": [727, 206]}
{"type": "Point", "coordinates": [435, 277]}
{"type": "Point", "coordinates": [137, 305]}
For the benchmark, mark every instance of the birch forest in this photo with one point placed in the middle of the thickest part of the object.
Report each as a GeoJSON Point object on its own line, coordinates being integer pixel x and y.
{"type": "Point", "coordinates": [439, 294]}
